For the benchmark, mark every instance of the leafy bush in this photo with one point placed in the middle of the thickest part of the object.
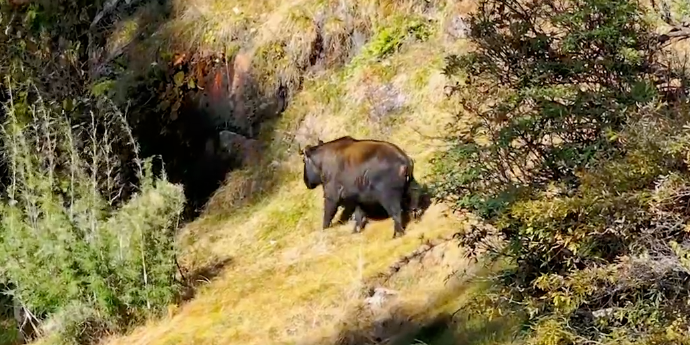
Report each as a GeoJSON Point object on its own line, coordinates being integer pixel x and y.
{"type": "Point", "coordinates": [65, 242]}
{"type": "Point", "coordinates": [568, 147]}
{"type": "Point", "coordinates": [549, 86]}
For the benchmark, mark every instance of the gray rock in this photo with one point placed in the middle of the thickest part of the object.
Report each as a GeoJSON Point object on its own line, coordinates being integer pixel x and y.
{"type": "Point", "coordinates": [458, 28]}
{"type": "Point", "coordinates": [384, 100]}
{"type": "Point", "coordinates": [232, 143]}
{"type": "Point", "coordinates": [380, 297]}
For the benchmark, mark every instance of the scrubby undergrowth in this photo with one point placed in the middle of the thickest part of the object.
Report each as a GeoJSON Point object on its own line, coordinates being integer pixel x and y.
{"type": "Point", "coordinates": [76, 259]}
{"type": "Point", "coordinates": [575, 152]}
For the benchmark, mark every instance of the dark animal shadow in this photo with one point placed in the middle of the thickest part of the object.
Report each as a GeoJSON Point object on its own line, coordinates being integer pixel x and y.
{"type": "Point", "coordinates": [193, 280]}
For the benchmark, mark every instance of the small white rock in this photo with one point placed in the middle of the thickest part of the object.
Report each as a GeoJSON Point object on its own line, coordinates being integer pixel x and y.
{"type": "Point", "coordinates": [381, 295]}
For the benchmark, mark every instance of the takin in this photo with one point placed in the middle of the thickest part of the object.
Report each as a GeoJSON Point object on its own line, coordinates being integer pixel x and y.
{"type": "Point", "coordinates": [361, 175]}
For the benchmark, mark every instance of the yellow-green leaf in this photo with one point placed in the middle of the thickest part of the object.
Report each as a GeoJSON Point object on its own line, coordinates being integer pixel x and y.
{"type": "Point", "coordinates": [67, 104]}
{"type": "Point", "coordinates": [102, 87]}
{"type": "Point", "coordinates": [178, 78]}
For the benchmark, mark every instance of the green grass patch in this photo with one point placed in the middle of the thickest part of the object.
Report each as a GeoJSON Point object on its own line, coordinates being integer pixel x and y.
{"type": "Point", "coordinates": [389, 38]}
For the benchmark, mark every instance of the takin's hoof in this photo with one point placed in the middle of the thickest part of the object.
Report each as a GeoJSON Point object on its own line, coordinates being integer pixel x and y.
{"type": "Point", "coordinates": [398, 234]}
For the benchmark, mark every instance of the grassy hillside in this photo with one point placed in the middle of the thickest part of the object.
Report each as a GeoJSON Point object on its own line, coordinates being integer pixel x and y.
{"type": "Point", "coordinates": [264, 271]}
{"type": "Point", "coordinates": [278, 278]}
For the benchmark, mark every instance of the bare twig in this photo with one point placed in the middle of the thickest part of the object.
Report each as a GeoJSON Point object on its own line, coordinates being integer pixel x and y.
{"type": "Point", "coordinates": [677, 32]}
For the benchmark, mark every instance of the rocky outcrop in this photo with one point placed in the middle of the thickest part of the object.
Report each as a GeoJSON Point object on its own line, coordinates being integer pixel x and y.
{"type": "Point", "coordinates": [248, 149]}
{"type": "Point", "coordinates": [232, 100]}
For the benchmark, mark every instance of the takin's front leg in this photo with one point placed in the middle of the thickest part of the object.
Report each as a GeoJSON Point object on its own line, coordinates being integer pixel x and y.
{"type": "Point", "coordinates": [330, 207]}
{"type": "Point", "coordinates": [392, 204]}
{"type": "Point", "coordinates": [331, 201]}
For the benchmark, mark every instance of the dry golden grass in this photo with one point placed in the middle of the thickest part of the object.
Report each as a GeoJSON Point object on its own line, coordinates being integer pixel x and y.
{"type": "Point", "coordinates": [291, 283]}
{"type": "Point", "coordinates": [287, 281]}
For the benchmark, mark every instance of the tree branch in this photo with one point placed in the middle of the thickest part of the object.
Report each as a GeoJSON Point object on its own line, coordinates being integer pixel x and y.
{"type": "Point", "coordinates": [678, 32]}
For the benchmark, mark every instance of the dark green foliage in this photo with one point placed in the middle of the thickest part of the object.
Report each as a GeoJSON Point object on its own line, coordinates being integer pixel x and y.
{"type": "Point", "coordinates": [569, 148]}
{"type": "Point", "coordinates": [62, 243]}
{"type": "Point", "coordinates": [86, 226]}
{"type": "Point", "coordinates": [557, 80]}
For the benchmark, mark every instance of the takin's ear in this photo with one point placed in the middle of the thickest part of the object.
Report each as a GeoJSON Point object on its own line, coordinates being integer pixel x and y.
{"type": "Point", "coordinates": [304, 152]}
{"type": "Point", "coordinates": [320, 141]}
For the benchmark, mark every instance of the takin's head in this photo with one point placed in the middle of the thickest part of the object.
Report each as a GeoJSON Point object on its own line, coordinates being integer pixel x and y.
{"type": "Point", "coordinates": [312, 168]}
{"type": "Point", "coordinates": [418, 199]}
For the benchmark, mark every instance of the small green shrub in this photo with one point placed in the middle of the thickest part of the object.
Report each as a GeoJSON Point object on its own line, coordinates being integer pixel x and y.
{"type": "Point", "coordinates": [390, 37]}
{"type": "Point", "coordinates": [63, 240]}
{"type": "Point", "coordinates": [8, 332]}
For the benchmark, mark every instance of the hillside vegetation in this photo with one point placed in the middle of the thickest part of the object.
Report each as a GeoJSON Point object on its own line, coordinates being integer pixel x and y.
{"type": "Point", "coordinates": [552, 133]}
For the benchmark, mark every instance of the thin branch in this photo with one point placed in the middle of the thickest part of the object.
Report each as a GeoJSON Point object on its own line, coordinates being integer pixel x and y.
{"type": "Point", "coordinates": [677, 32]}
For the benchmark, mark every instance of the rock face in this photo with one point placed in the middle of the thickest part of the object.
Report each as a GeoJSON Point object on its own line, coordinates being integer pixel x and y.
{"type": "Point", "coordinates": [384, 99]}
{"type": "Point", "coordinates": [248, 149]}
{"type": "Point", "coordinates": [458, 28]}
{"type": "Point", "coordinates": [231, 98]}
{"type": "Point", "coordinates": [221, 118]}
{"type": "Point", "coordinates": [240, 93]}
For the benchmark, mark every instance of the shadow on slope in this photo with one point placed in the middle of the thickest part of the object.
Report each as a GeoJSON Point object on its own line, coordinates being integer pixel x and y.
{"type": "Point", "coordinates": [201, 276]}
{"type": "Point", "coordinates": [444, 329]}
{"type": "Point", "coordinates": [457, 312]}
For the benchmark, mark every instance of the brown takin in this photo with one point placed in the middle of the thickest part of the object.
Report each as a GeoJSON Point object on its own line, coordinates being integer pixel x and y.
{"type": "Point", "coordinates": [361, 175]}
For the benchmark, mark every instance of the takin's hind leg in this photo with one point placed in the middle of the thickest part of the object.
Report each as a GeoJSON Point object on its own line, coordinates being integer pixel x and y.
{"type": "Point", "coordinates": [360, 220]}
{"type": "Point", "coordinates": [348, 212]}
{"type": "Point", "coordinates": [394, 209]}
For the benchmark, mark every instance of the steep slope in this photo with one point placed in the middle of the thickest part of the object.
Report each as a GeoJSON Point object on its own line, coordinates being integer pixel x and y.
{"type": "Point", "coordinates": [278, 277]}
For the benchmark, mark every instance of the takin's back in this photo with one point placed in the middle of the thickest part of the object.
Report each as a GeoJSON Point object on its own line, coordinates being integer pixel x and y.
{"type": "Point", "coordinates": [349, 152]}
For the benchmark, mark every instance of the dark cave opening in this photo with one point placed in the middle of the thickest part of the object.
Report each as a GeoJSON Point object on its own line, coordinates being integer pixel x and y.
{"type": "Point", "coordinates": [191, 143]}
